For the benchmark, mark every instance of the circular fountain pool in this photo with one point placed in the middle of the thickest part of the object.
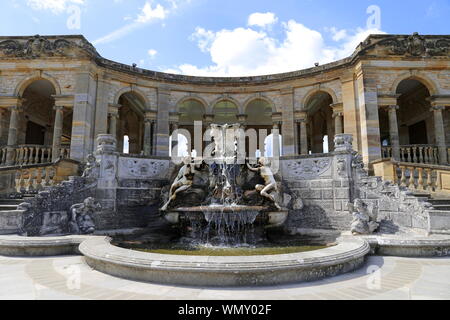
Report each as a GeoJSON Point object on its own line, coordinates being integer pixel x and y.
{"type": "Point", "coordinates": [218, 251]}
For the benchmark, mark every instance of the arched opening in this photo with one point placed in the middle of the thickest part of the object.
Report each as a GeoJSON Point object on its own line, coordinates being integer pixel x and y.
{"type": "Point", "coordinates": [131, 123]}
{"type": "Point", "coordinates": [413, 139]}
{"type": "Point", "coordinates": [320, 127]}
{"type": "Point", "coordinates": [190, 111]}
{"type": "Point", "coordinates": [37, 121]}
{"type": "Point", "coordinates": [415, 119]}
{"type": "Point", "coordinates": [259, 118]}
{"type": "Point", "coordinates": [225, 112]}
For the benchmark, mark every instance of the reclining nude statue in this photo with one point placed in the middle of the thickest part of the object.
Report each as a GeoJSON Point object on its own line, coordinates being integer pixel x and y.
{"type": "Point", "coordinates": [183, 181]}
{"type": "Point", "coordinates": [81, 221]}
{"type": "Point", "coordinates": [364, 217]}
{"type": "Point", "coordinates": [270, 183]}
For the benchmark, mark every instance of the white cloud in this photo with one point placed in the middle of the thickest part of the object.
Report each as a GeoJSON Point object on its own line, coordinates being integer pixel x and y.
{"type": "Point", "coordinates": [245, 51]}
{"type": "Point", "coordinates": [152, 53]}
{"type": "Point", "coordinates": [148, 14]}
{"type": "Point", "coordinates": [56, 6]}
{"type": "Point", "coordinates": [262, 19]}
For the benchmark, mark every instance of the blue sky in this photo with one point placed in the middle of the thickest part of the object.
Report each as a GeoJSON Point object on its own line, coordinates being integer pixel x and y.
{"type": "Point", "coordinates": [223, 38]}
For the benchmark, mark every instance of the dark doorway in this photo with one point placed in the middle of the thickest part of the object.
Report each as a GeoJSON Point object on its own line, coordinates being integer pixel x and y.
{"type": "Point", "coordinates": [418, 133]}
{"type": "Point", "coordinates": [35, 134]}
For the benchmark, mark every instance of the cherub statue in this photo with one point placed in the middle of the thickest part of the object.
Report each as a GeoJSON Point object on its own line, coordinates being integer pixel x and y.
{"type": "Point", "coordinates": [81, 221]}
{"type": "Point", "coordinates": [183, 181]}
{"type": "Point", "coordinates": [270, 184]}
{"type": "Point", "coordinates": [92, 167]}
{"type": "Point", "coordinates": [364, 217]}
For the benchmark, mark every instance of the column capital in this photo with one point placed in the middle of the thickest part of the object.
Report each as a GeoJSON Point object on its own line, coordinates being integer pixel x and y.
{"type": "Point", "coordinates": [208, 118]}
{"type": "Point", "coordinates": [64, 100]}
{"type": "Point", "coordinates": [392, 107]}
{"type": "Point", "coordinates": [437, 108]}
{"type": "Point", "coordinates": [113, 109]}
{"type": "Point", "coordinates": [242, 118]}
{"type": "Point", "coordinates": [388, 99]}
{"type": "Point", "coordinates": [10, 101]}
{"type": "Point", "coordinates": [300, 116]}
{"type": "Point", "coordinates": [439, 100]}
{"type": "Point", "coordinates": [58, 108]}
{"type": "Point", "coordinates": [173, 117]}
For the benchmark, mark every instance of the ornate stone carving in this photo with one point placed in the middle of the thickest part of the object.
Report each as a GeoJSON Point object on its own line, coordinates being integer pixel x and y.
{"type": "Point", "coordinates": [306, 168]}
{"type": "Point", "coordinates": [38, 46]}
{"type": "Point", "coordinates": [343, 142]}
{"type": "Point", "coordinates": [134, 168]}
{"type": "Point", "coordinates": [364, 217]}
{"type": "Point", "coordinates": [81, 221]}
{"type": "Point", "coordinates": [416, 46]}
{"type": "Point", "coordinates": [92, 169]}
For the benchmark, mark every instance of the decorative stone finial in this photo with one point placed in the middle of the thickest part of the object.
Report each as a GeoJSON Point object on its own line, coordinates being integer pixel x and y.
{"type": "Point", "coordinates": [343, 142]}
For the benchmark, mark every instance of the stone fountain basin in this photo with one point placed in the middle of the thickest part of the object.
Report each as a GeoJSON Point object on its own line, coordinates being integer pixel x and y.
{"type": "Point", "coordinates": [224, 271]}
{"type": "Point", "coordinates": [267, 217]}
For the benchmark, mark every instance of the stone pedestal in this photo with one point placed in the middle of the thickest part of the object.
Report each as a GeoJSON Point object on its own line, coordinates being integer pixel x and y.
{"type": "Point", "coordinates": [107, 183]}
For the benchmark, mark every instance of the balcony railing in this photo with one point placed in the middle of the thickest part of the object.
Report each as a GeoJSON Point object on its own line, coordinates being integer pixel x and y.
{"type": "Point", "coordinates": [426, 154]}
{"type": "Point", "coordinates": [422, 177]}
{"type": "Point", "coordinates": [31, 154]}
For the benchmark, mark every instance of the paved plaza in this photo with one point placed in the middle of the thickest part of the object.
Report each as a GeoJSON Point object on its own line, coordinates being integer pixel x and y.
{"type": "Point", "coordinates": [70, 278]}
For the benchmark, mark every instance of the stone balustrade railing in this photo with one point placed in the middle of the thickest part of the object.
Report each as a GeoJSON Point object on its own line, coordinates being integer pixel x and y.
{"type": "Point", "coordinates": [32, 180]}
{"type": "Point", "coordinates": [31, 154]}
{"type": "Point", "coordinates": [426, 154]}
{"type": "Point", "coordinates": [418, 177]}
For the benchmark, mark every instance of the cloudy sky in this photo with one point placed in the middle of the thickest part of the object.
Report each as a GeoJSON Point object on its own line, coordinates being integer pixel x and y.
{"type": "Point", "coordinates": [224, 37]}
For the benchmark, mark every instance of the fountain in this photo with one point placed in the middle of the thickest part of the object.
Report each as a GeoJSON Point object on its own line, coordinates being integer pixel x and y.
{"type": "Point", "coordinates": [223, 198]}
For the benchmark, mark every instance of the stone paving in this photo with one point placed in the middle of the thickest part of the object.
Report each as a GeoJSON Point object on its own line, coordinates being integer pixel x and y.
{"type": "Point", "coordinates": [69, 277]}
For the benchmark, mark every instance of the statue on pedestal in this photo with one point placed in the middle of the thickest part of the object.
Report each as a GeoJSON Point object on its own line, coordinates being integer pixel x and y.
{"type": "Point", "coordinates": [81, 221]}
{"type": "Point", "coordinates": [270, 183]}
{"type": "Point", "coordinates": [364, 217]}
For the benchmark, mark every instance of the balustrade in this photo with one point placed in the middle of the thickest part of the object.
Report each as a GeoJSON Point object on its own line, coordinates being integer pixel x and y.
{"type": "Point", "coordinates": [426, 154]}
{"type": "Point", "coordinates": [33, 154]}
{"type": "Point", "coordinates": [33, 180]}
{"type": "Point", "coordinates": [420, 177]}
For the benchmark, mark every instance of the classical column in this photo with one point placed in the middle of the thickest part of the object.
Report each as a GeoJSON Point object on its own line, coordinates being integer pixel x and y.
{"type": "Point", "coordinates": [393, 131]}
{"type": "Point", "coordinates": [2, 119]}
{"type": "Point", "coordinates": [113, 113]}
{"type": "Point", "coordinates": [57, 132]}
{"type": "Point", "coordinates": [301, 119]}
{"type": "Point", "coordinates": [149, 119]}
{"type": "Point", "coordinates": [276, 140]}
{"type": "Point", "coordinates": [303, 137]}
{"type": "Point", "coordinates": [439, 133]}
{"type": "Point", "coordinates": [12, 134]}
{"type": "Point", "coordinates": [338, 116]}
{"type": "Point", "coordinates": [174, 135]}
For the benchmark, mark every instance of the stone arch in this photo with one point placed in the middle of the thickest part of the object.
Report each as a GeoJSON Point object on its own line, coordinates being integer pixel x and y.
{"type": "Point", "coordinates": [264, 98]}
{"type": "Point", "coordinates": [135, 91]}
{"type": "Point", "coordinates": [425, 80]}
{"type": "Point", "coordinates": [195, 98]}
{"type": "Point", "coordinates": [23, 85]}
{"type": "Point", "coordinates": [221, 99]}
{"type": "Point", "coordinates": [316, 90]}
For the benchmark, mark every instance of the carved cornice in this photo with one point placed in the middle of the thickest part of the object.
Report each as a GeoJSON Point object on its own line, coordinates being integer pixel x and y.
{"type": "Point", "coordinates": [41, 47]}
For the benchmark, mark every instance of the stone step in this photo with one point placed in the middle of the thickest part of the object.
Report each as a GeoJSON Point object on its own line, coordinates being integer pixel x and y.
{"type": "Point", "coordinates": [8, 207]}
{"type": "Point", "coordinates": [441, 207]}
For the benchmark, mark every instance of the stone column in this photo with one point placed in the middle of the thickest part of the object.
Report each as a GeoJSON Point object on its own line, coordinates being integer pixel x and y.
{"type": "Point", "coordinates": [2, 120]}
{"type": "Point", "coordinates": [57, 132]}
{"type": "Point", "coordinates": [439, 133]}
{"type": "Point", "coordinates": [162, 126]}
{"type": "Point", "coordinates": [303, 137]}
{"type": "Point", "coordinates": [113, 113]}
{"type": "Point", "coordinates": [393, 131]}
{"type": "Point", "coordinates": [276, 140]}
{"type": "Point", "coordinates": [12, 134]}
{"type": "Point", "coordinates": [174, 139]}
{"type": "Point", "coordinates": [287, 101]}
{"type": "Point", "coordinates": [149, 119]}
{"type": "Point", "coordinates": [338, 115]}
